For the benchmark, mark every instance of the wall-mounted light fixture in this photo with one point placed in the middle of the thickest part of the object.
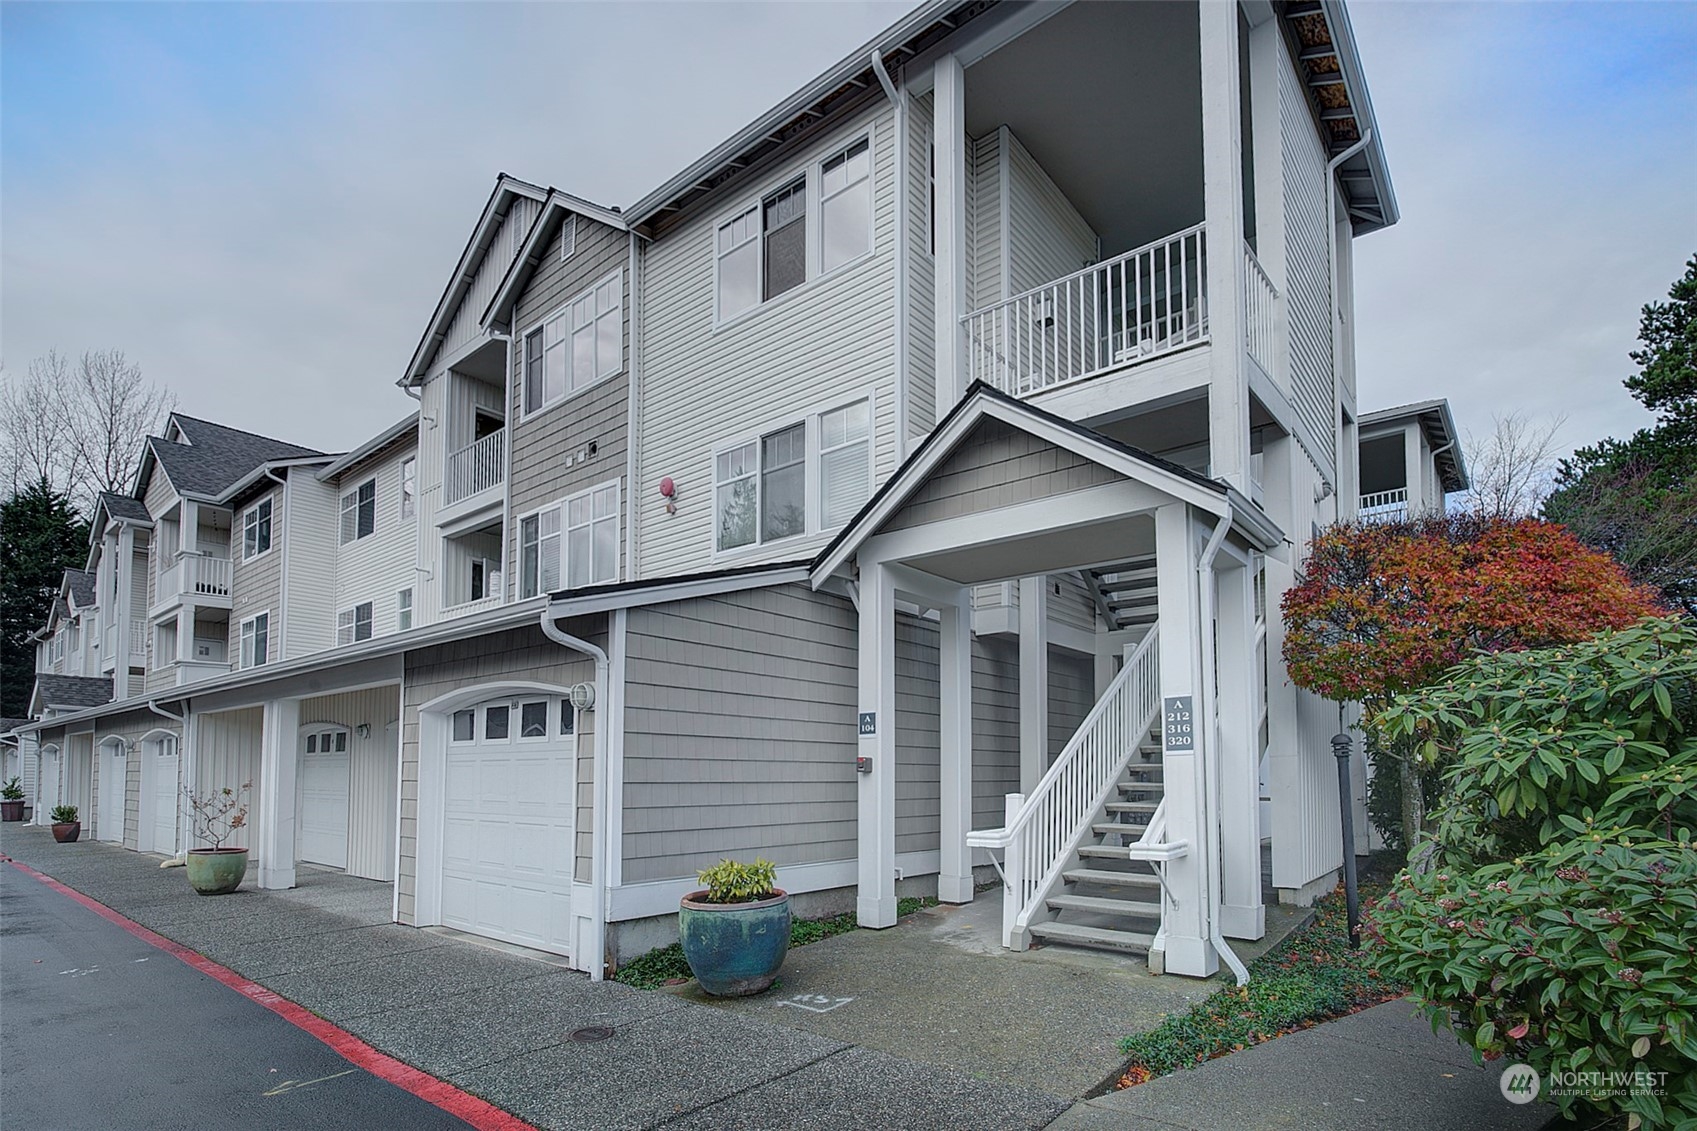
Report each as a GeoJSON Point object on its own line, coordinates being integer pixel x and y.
{"type": "Point", "coordinates": [669, 492]}
{"type": "Point", "coordinates": [363, 730]}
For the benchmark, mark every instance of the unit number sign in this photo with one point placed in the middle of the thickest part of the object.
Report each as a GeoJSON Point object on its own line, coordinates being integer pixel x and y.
{"type": "Point", "coordinates": [1180, 729]}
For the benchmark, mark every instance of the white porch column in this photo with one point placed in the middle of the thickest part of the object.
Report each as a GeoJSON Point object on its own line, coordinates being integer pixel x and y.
{"type": "Point", "coordinates": [954, 876]}
{"type": "Point", "coordinates": [1033, 681]}
{"type": "Point", "coordinates": [1185, 924]}
{"type": "Point", "coordinates": [948, 117]}
{"type": "Point", "coordinates": [1222, 202]}
{"type": "Point", "coordinates": [875, 905]}
{"type": "Point", "coordinates": [1242, 915]}
{"type": "Point", "coordinates": [278, 761]}
{"type": "Point", "coordinates": [1411, 471]}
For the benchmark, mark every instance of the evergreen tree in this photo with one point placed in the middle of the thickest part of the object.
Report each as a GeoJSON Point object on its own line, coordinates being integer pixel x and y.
{"type": "Point", "coordinates": [41, 536]}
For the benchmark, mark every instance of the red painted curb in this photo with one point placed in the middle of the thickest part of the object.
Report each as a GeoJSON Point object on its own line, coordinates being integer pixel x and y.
{"type": "Point", "coordinates": [481, 1114]}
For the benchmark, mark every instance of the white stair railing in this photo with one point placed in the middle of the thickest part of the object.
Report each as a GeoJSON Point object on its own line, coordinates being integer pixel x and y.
{"type": "Point", "coordinates": [1045, 829]}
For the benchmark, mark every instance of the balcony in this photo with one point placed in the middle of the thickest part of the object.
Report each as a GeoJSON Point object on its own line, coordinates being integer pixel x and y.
{"type": "Point", "coordinates": [1383, 506]}
{"type": "Point", "coordinates": [193, 579]}
{"type": "Point", "coordinates": [475, 468]}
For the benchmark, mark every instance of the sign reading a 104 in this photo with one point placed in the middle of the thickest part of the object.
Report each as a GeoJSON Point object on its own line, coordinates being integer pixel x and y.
{"type": "Point", "coordinates": [1178, 730]}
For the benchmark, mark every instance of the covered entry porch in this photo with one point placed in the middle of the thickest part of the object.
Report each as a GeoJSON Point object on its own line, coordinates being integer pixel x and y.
{"type": "Point", "coordinates": [1003, 491]}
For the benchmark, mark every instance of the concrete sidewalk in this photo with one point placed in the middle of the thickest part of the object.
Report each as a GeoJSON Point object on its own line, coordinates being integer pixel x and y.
{"type": "Point", "coordinates": [1382, 1069]}
{"type": "Point", "coordinates": [499, 1025]}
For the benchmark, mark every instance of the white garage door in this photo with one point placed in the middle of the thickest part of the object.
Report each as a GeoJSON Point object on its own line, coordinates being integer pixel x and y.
{"type": "Point", "coordinates": [159, 795]}
{"type": "Point", "coordinates": [507, 823]}
{"type": "Point", "coordinates": [323, 802]}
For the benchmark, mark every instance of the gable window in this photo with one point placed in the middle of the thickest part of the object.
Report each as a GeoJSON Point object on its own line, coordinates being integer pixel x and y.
{"type": "Point", "coordinates": [808, 476]}
{"type": "Point", "coordinates": [359, 512]}
{"type": "Point", "coordinates": [568, 237]}
{"type": "Point", "coordinates": [576, 540]}
{"type": "Point", "coordinates": [256, 530]}
{"type": "Point", "coordinates": [403, 610]}
{"type": "Point", "coordinates": [409, 487]}
{"type": "Point", "coordinates": [256, 640]}
{"type": "Point", "coordinates": [577, 346]}
{"type": "Point", "coordinates": [354, 624]}
{"type": "Point", "coordinates": [845, 205]}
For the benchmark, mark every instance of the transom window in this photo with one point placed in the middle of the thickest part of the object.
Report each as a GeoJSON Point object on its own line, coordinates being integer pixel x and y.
{"type": "Point", "coordinates": [359, 512]}
{"type": "Point", "coordinates": [805, 477]}
{"type": "Point", "coordinates": [354, 624]}
{"type": "Point", "coordinates": [577, 346]}
{"type": "Point", "coordinates": [256, 640]}
{"type": "Point", "coordinates": [574, 542]}
{"type": "Point", "coordinates": [514, 720]}
{"type": "Point", "coordinates": [256, 530]}
{"type": "Point", "coordinates": [327, 742]}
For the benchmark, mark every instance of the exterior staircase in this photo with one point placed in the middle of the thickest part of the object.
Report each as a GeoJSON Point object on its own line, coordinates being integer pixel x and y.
{"type": "Point", "coordinates": [1125, 592]}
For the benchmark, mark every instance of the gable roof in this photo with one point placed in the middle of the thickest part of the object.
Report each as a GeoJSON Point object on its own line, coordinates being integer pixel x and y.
{"type": "Point", "coordinates": [72, 690]}
{"type": "Point", "coordinates": [555, 209]}
{"type": "Point", "coordinates": [507, 189]}
{"type": "Point", "coordinates": [122, 507]}
{"type": "Point", "coordinates": [982, 401]}
{"type": "Point", "coordinates": [79, 584]}
{"type": "Point", "coordinates": [402, 429]}
{"type": "Point", "coordinates": [215, 457]}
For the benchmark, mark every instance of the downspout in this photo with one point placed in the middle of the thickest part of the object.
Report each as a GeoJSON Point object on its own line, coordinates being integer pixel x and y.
{"type": "Point", "coordinates": [1210, 755]}
{"type": "Point", "coordinates": [1332, 289]}
{"type": "Point", "coordinates": [600, 854]}
{"type": "Point", "coordinates": [185, 760]}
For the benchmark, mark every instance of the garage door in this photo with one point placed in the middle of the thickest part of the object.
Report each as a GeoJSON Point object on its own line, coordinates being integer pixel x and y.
{"type": "Point", "coordinates": [323, 803]}
{"type": "Point", "coordinates": [507, 822]}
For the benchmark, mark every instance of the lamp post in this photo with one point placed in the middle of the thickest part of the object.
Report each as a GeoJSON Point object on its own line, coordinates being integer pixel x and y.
{"type": "Point", "coordinates": [1346, 812]}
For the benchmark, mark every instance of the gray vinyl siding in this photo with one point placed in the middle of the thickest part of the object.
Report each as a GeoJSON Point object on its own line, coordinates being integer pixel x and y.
{"type": "Point", "coordinates": [739, 732]}
{"type": "Point", "coordinates": [376, 567]}
{"type": "Point", "coordinates": [227, 756]}
{"type": "Point", "coordinates": [1047, 238]}
{"type": "Point", "coordinates": [517, 654]}
{"type": "Point", "coordinates": [466, 324]}
{"type": "Point", "coordinates": [314, 526]}
{"type": "Point", "coordinates": [257, 585]}
{"type": "Point", "coordinates": [1072, 692]}
{"type": "Point", "coordinates": [371, 772]}
{"type": "Point", "coordinates": [995, 728]}
{"type": "Point", "coordinates": [984, 221]}
{"type": "Point", "coordinates": [130, 726]}
{"type": "Point", "coordinates": [918, 746]}
{"type": "Point", "coordinates": [159, 497]}
{"type": "Point", "coordinates": [922, 408]}
{"type": "Point", "coordinates": [1070, 602]}
{"type": "Point", "coordinates": [543, 469]}
{"type": "Point", "coordinates": [994, 466]}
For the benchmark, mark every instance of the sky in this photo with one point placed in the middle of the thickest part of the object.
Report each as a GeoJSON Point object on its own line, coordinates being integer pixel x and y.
{"type": "Point", "coordinates": [261, 203]}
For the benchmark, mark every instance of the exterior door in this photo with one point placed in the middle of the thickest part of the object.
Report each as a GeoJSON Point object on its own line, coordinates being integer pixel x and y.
{"type": "Point", "coordinates": [114, 790]}
{"type": "Point", "coordinates": [323, 801]}
{"type": "Point", "coordinates": [159, 804]}
{"type": "Point", "coordinates": [507, 844]}
{"type": "Point", "coordinates": [47, 786]}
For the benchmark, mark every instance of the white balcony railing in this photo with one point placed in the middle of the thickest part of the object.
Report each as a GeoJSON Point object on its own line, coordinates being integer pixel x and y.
{"type": "Point", "coordinates": [1383, 506]}
{"type": "Point", "coordinates": [138, 637]}
{"type": "Point", "coordinates": [478, 466]}
{"type": "Point", "coordinates": [482, 604]}
{"type": "Point", "coordinates": [1120, 312]}
{"type": "Point", "coordinates": [1261, 300]}
{"type": "Point", "coordinates": [194, 576]}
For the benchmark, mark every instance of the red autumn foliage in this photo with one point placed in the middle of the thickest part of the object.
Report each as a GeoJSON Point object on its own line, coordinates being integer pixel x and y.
{"type": "Point", "coordinates": [1382, 608]}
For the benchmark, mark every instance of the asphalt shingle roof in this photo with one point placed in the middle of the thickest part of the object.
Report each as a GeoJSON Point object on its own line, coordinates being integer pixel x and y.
{"type": "Point", "coordinates": [216, 456]}
{"type": "Point", "coordinates": [74, 690]}
{"type": "Point", "coordinates": [122, 506]}
{"type": "Point", "coordinates": [82, 587]}
{"type": "Point", "coordinates": [9, 725]}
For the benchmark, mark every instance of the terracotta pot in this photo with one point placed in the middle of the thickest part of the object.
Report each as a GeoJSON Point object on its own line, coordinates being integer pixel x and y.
{"type": "Point", "coordinates": [734, 949]}
{"type": "Point", "coordinates": [216, 871]}
{"type": "Point", "coordinates": [67, 831]}
{"type": "Point", "coordinates": [12, 810]}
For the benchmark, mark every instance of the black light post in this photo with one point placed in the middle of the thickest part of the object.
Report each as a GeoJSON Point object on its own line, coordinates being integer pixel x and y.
{"type": "Point", "coordinates": [1346, 810]}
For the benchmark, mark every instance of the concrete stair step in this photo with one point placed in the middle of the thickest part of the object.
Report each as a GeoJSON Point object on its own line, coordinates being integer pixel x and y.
{"type": "Point", "coordinates": [1143, 807]}
{"type": "Point", "coordinates": [1123, 828]}
{"type": "Point", "coordinates": [1102, 938]}
{"type": "Point", "coordinates": [1142, 787]}
{"type": "Point", "coordinates": [1103, 905]}
{"type": "Point", "coordinates": [1111, 879]}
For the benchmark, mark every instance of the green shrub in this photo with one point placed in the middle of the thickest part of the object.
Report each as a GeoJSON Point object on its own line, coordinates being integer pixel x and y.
{"type": "Point", "coordinates": [64, 814]}
{"type": "Point", "coordinates": [731, 882]}
{"type": "Point", "coordinates": [12, 790]}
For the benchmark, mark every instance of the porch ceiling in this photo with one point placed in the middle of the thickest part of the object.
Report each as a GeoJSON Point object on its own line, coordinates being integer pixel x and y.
{"type": "Point", "coordinates": [1108, 99]}
{"type": "Point", "coordinates": [1118, 539]}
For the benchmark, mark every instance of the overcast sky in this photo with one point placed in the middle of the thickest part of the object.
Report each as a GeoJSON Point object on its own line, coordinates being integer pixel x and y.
{"type": "Point", "coordinates": [260, 204]}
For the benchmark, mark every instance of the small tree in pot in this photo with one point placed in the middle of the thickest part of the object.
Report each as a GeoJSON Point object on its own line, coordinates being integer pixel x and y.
{"type": "Point", "coordinates": [736, 931]}
{"type": "Point", "coordinates": [215, 817]}
{"type": "Point", "coordinates": [12, 801]}
{"type": "Point", "coordinates": [66, 826]}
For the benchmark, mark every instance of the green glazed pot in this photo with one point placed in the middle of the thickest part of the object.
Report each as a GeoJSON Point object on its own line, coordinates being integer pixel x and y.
{"type": "Point", "coordinates": [734, 949]}
{"type": "Point", "coordinates": [216, 871]}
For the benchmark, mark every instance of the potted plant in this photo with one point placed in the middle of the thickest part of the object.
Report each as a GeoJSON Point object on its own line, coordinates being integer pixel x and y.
{"type": "Point", "coordinates": [736, 930]}
{"type": "Point", "coordinates": [12, 801]}
{"type": "Point", "coordinates": [66, 827]}
{"type": "Point", "coordinates": [215, 817]}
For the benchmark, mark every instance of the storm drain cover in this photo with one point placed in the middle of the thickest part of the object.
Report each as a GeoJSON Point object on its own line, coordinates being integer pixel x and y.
{"type": "Point", "coordinates": [592, 1033]}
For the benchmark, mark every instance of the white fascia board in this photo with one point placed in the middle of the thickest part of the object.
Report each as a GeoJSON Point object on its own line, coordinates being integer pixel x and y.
{"type": "Point", "coordinates": [629, 598]}
{"type": "Point", "coordinates": [529, 257]}
{"type": "Point", "coordinates": [1349, 62]}
{"type": "Point", "coordinates": [382, 440]}
{"type": "Point", "coordinates": [253, 477]}
{"type": "Point", "coordinates": [1252, 522]}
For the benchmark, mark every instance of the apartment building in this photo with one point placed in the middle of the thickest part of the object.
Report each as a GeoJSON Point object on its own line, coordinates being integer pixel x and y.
{"type": "Point", "coordinates": [898, 493]}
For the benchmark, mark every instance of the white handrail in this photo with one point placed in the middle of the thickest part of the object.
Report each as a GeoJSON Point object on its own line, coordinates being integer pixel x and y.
{"type": "Point", "coordinates": [1261, 301]}
{"type": "Point", "coordinates": [1381, 505]}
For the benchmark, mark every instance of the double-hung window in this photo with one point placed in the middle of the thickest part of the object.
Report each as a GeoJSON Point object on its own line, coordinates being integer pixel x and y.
{"type": "Point", "coordinates": [845, 206]}
{"type": "Point", "coordinates": [805, 477]}
{"type": "Point", "coordinates": [256, 640]}
{"type": "Point", "coordinates": [575, 541]}
{"type": "Point", "coordinates": [577, 346]}
{"type": "Point", "coordinates": [354, 624]}
{"type": "Point", "coordinates": [359, 512]}
{"type": "Point", "coordinates": [256, 530]}
{"type": "Point", "coordinates": [409, 487]}
{"type": "Point", "coordinates": [403, 610]}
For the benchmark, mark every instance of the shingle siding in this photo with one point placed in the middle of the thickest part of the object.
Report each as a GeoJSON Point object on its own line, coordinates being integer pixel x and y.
{"type": "Point", "coordinates": [256, 585]}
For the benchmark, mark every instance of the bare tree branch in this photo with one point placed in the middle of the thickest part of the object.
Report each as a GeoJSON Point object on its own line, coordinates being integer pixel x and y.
{"type": "Point", "coordinates": [33, 423]}
{"type": "Point", "coordinates": [114, 408]}
{"type": "Point", "coordinates": [1513, 468]}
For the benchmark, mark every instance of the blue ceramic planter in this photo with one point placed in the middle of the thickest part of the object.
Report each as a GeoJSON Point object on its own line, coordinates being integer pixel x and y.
{"type": "Point", "coordinates": [734, 949]}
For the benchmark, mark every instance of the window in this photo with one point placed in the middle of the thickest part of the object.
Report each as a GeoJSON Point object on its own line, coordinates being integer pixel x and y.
{"type": "Point", "coordinates": [485, 579]}
{"type": "Point", "coordinates": [359, 512]}
{"type": "Point", "coordinates": [568, 717]}
{"type": "Point", "coordinates": [403, 610]}
{"type": "Point", "coordinates": [354, 624]}
{"type": "Point", "coordinates": [575, 542]}
{"type": "Point", "coordinates": [533, 720]}
{"type": "Point", "coordinates": [256, 530]}
{"type": "Point", "coordinates": [256, 640]}
{"type": "Point", "coordinates": [783, 228]}
{"type": "Point", "coordinates": [739, 264]}
{"type": "Point", "coordinates": [812, 475]}
{"type": "Point", "coordinates": [568, 237]}
{"type": "Point", "coordinates": [409, 487]}
{"type": "Point", "coordinates": [845, 206]}
{"type": "Point", "coordinates": [577, 346]}
{"type": "Point", "coordinates": [464, 724]}
{"type": "Point", "coordinates": [496, 721]}
{"type": "Point", "coordinates": [327, 742]}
